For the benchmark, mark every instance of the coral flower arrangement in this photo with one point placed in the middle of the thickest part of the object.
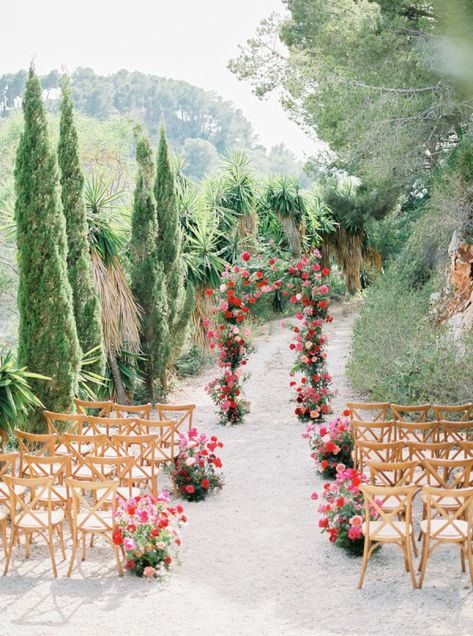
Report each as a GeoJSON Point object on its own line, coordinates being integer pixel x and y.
{"type": "Point", "coordinates": [147, 530]}
{"type": "Point", "coordinates": [342, 509]}
{"type": "Point", "coordinates": [197, 465]}
{"type": "Point", "coordinates": [330, 445]}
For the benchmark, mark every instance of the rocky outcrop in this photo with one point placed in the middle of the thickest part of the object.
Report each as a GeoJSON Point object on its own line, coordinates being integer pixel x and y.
{"type": "Point", "coordinates": [458, 307]}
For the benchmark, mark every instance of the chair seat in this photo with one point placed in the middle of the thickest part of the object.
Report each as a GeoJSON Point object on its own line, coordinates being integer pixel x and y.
{"type": "Point", "coordinates": [3, 513]}
{"type": "Point", "coordinates": [59, 494]}
{"type": "Point", "coordinates": [30, 521]}
{"type": "Point", "coordinates": [122, 491]}
{"type": "Point", "coordinates": [390, 503]}
{"type": "Point", "coordinates": [84, 472]}
{"type": "Point", "coordinates": [141, 472]}
{"type": "Point", "coordinates": [449, 503]}
{"type": "Point", "coordinates": [159, 456]}
{"type": "Point", "coordinates": [91, 523]}
{"type": "Point", "coordinates": [449, 532]}
{"type": "Point", "coordinates": [4, 493]}
{"type": "Point", "coordinates": [377, 531]}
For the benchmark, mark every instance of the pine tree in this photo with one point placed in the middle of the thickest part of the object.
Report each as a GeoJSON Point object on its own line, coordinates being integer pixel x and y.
{"type": "Point", "coordinates": [179, 299]}
{"type": "Point", "coordinates": [148, 278]}
{"type": "Point", "coordinates": [85, 300]}
{"type": "Point", "coordinates": [47, 341]}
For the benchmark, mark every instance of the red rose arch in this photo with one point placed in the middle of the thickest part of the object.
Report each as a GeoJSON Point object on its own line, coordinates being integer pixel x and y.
{"type": "Point", "coordinates": [242, 286]}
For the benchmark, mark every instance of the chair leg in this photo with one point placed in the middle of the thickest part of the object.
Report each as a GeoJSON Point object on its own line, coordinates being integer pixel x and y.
{"type": "Point", "coordinates": [91, 543]}
{"type": "Point", "coordinates": [117, 557]}
{"type": "Point", "coordinates": [27, 545]}
{"type": "Point", "coordinates": [60, 531]}
{"type": "Point", "coordinates": [470, 559]}
{"type": "Point", "coordinates": [51, 550]}
{"type": "Point", "coordinates": [75, 541]}
{"type": "Point", "coordinates": [10, 549]}
{"type": "Point", "coordinates": [364, 563]}
{"type": "Point", "coordinates": [423, 561]}
{"type": "Point", "coordinates": [410, 565]}
{"type": "Point", "coordinates": [4, 537]}
{"type": "Point", "coordinates": [83, 547]}
{"type": "Point", "coordinates": [462, 556]}
{"type": "Point", "coordinates": [414, 543]}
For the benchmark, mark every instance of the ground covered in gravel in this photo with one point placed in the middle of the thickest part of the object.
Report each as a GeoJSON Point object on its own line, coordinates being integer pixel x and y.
{"type": "Point", "coordinates": [253, 559]}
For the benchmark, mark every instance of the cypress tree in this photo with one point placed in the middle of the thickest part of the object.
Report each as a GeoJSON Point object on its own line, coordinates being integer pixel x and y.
{"type": "Point", "coordinates": [47, 341]}
{"type": "Point", "coordinates": [180, 300]}
{"type": "Point", "coordinates": [85, 300]}
{"type": "Point", "coordinates": [148, 279]}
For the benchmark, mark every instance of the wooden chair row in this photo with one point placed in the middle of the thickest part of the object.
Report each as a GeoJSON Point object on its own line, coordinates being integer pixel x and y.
{"type": "Point", "coordinates": [441, 524]}
{"type": "Point", "coordinates": [384, 411]}
{"type": "Point", "coordinates": [35, 512]}
{"type": "Point", "coordinates": [182, 414]}
{"type": "Point", "coordinates": [391, 431]}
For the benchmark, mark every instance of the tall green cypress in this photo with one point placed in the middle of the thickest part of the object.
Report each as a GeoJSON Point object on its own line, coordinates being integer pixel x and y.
{"type": "Point", "coordinates": [47, 342]}
{"type": "Point", "coordinates": [180, 299]}
{"type": "Point", "coordinates": [85, 300]}
{"type": "Point", "coordinates": [148, 280]}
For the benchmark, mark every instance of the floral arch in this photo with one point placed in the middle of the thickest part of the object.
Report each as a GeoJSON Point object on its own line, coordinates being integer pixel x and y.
{"type": "Point", "coordinates": [242, 287]}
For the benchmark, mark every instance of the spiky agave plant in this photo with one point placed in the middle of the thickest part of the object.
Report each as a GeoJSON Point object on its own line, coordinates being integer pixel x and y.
{"type": "Point", "coordinates": [238, 194]}
{"type": "Point", "coordinates": [120, 314]}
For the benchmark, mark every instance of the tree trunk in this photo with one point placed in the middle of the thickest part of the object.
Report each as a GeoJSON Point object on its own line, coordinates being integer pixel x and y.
{"type": "Point", "coordinates": [120, 392]}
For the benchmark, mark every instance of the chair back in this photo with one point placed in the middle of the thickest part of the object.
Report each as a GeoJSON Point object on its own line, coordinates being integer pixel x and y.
{"type": "Point", "coordinates": [366, 452]}
{"type": "Point", "coordinates": [59, 423]}
{"type": "Point", "coordinates": [459, 412]}
{"type": "Point", "coordinates": [409, 413]}
{"type": "Point", "coordinates": [467, 448]}
{"type": "Point", "coordinates": [387, 520]}
{"type": "Point", "coordinates": [35, 444]}
{"type": "Point", "coordinates": [447, 473]}
{"type": "Point", "coordinates": [369, 411]}
{"type": "Point", "coordinates": [105, 425]}
{"type": "Point", "coordinates": [422, 432]}
{"type": "Point", "coordinates": [166, 432]}
{"type": "Point", "coordinates": [79, 446]}
{"type": "Point", "coordinates": [417, 451]}
{"type": "Point", "coordinates": [142, 411]}
{"type": "Point", "coordinates": [391, 474]}
{"type": "Point", "coordinates": [98, 409]}
{"type": "Point", "coordinates": [444, 523]}
{"type": "Point", "coordinates": [380, 432]}
{"type": "Point", "coordinates": [182, 414]}
{"type": "Point", "coordinates": [56, 466]}
{"type": "Point", "coordinates": [120, 467]}
{"type": "Point", "coordinates": [457, 432]}
{"type": "Point", "coordinates": [141, 447]}
{"type": "Point", "coordinates": [7, 467]}
{"type": "Point", "coordinates": [34, 492]}
{"type": "Point", "coordinates": [91, 505]}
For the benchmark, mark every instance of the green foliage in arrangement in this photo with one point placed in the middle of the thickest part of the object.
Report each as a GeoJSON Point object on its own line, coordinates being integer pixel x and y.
{"type": "Point", "coordinates": [148, 280]}
{"type": "Point", "coordinates": [48, 342]}
{"type": "Point", "coordinates": [85, 299]}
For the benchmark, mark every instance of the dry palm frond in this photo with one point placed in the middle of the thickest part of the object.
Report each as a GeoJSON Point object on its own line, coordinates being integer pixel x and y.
{"type": "Point", "coordinates": [203, 309]}
{"type": "Point", "coordinates": [348, 248]}
{"type": "Point", "coordinates": [120, 313]}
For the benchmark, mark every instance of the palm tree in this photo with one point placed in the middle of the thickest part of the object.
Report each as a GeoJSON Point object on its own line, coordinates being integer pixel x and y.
{"type": "Point", "coordinates": [120, 314]}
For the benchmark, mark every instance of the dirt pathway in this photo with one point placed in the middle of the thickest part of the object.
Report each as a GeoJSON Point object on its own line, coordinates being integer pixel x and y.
{"type": "Point", "coordinates": [253, 561]}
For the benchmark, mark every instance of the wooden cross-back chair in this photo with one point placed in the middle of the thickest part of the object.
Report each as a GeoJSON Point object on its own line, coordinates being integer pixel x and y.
{"type": "Point", "coordinates": [448, 474]}
{"type": "Point", "coordinates": [411, 413]}
{"type": "Point", "coordinates": [7, 467]}
{"type": "Point", "coordinates": [29, 519]}
{"type": "Point", "coordinates": [98, 409]}
{"type": "Point", "coordinates": [182, 414]}
{"type": "Point", "coordinates": [369, 411]}
{"type": "Point", "coordinates": [119, 468]}
{"type": "Point", "coordinates": [392, 526]}
{"type": "Point", "coordinates": [380, 432]}
{"type": "Point", "coordinates": [59, 423]}
{"type": "Point", "coordinates": [443, 525]}
{"type": "Point", "coordinates": [142, 448]}
{"type": "Point", "coordinates": [421, 432]}
{"type": "Point", "coordinates": [457, 432]}
{"type": "Point", "coordinates": [106, 425]}
{"type": "Point", "coordinates": [467, 448]}
{"type": "Point", "coordinates": [458, 412]}
{"type": "Point", "coordinates": [79, 446]}
{"type": "Point", "coordinates": [417, 451]}
{"type": "Point", "coordinates": [59, 468]}
{"type": "Point", "coordinates": [92, 514]}
{"type": "Point", "coordinates": [366, 452]}
{"type": "Point", "coordinates": [141, 411]}
{"type": "Point", "coordinates": [35, 444]}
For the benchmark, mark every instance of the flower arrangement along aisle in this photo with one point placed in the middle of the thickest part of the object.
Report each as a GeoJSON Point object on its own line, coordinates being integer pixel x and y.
{"type": "Point", "coordinates": [343, 510]}
{"type": "Point", "coordinates": [330, 445]}
{"type": "Point", "coordinates": [313, 389]}
{"type": "Point", "coordinates": [243, 285]}
{"type": "Point", "coordinates": [196, 466]}
{"type": "Point", "coordinates": [147, 528]}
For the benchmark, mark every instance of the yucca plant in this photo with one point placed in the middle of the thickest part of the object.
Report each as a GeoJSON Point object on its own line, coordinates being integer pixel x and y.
{"type": "Point", "coordinates": [16, 396]}
{"type": "Point", "coordinates": [120, 314]}
{"type": "Point", "coordinates": [283, 197]}
{"type": "Point", "coordinates": [238, 193]}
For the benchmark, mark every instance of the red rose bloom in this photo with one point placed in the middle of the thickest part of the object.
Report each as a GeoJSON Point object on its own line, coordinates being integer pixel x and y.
{"type": "Point", "coordinates": [323, 523]}
{"type": "Point", "coordinates": [246, 256]}
{"type": "Point", "coordinates": [205, 483]}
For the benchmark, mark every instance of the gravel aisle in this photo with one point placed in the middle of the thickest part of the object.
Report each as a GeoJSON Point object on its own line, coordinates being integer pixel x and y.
{"type": "Point", "coordinates": [253, 560]}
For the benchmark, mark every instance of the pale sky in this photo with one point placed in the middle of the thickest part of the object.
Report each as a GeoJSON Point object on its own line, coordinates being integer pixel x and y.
{"type": "Point", "coordinates": [190, 40]}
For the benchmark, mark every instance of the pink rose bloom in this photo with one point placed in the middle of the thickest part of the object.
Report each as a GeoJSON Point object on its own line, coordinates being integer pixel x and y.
{"type": "Point", "coordinates": [356, 520]}
{"type": "Point", "coordinates": [354, 533]}
{"type": "Point", "coordinates": [149, 571]}
{"type": "Point", "coordinates": [314, 496]}
{"type": "Point", "coordinates": [323, 289]}
{"type": "Point", "coordinates": [340, 468]}
{"type": "Point", "coordinates": [142, 515]}
{"type": "Point", "coordinates": [129, 544]}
